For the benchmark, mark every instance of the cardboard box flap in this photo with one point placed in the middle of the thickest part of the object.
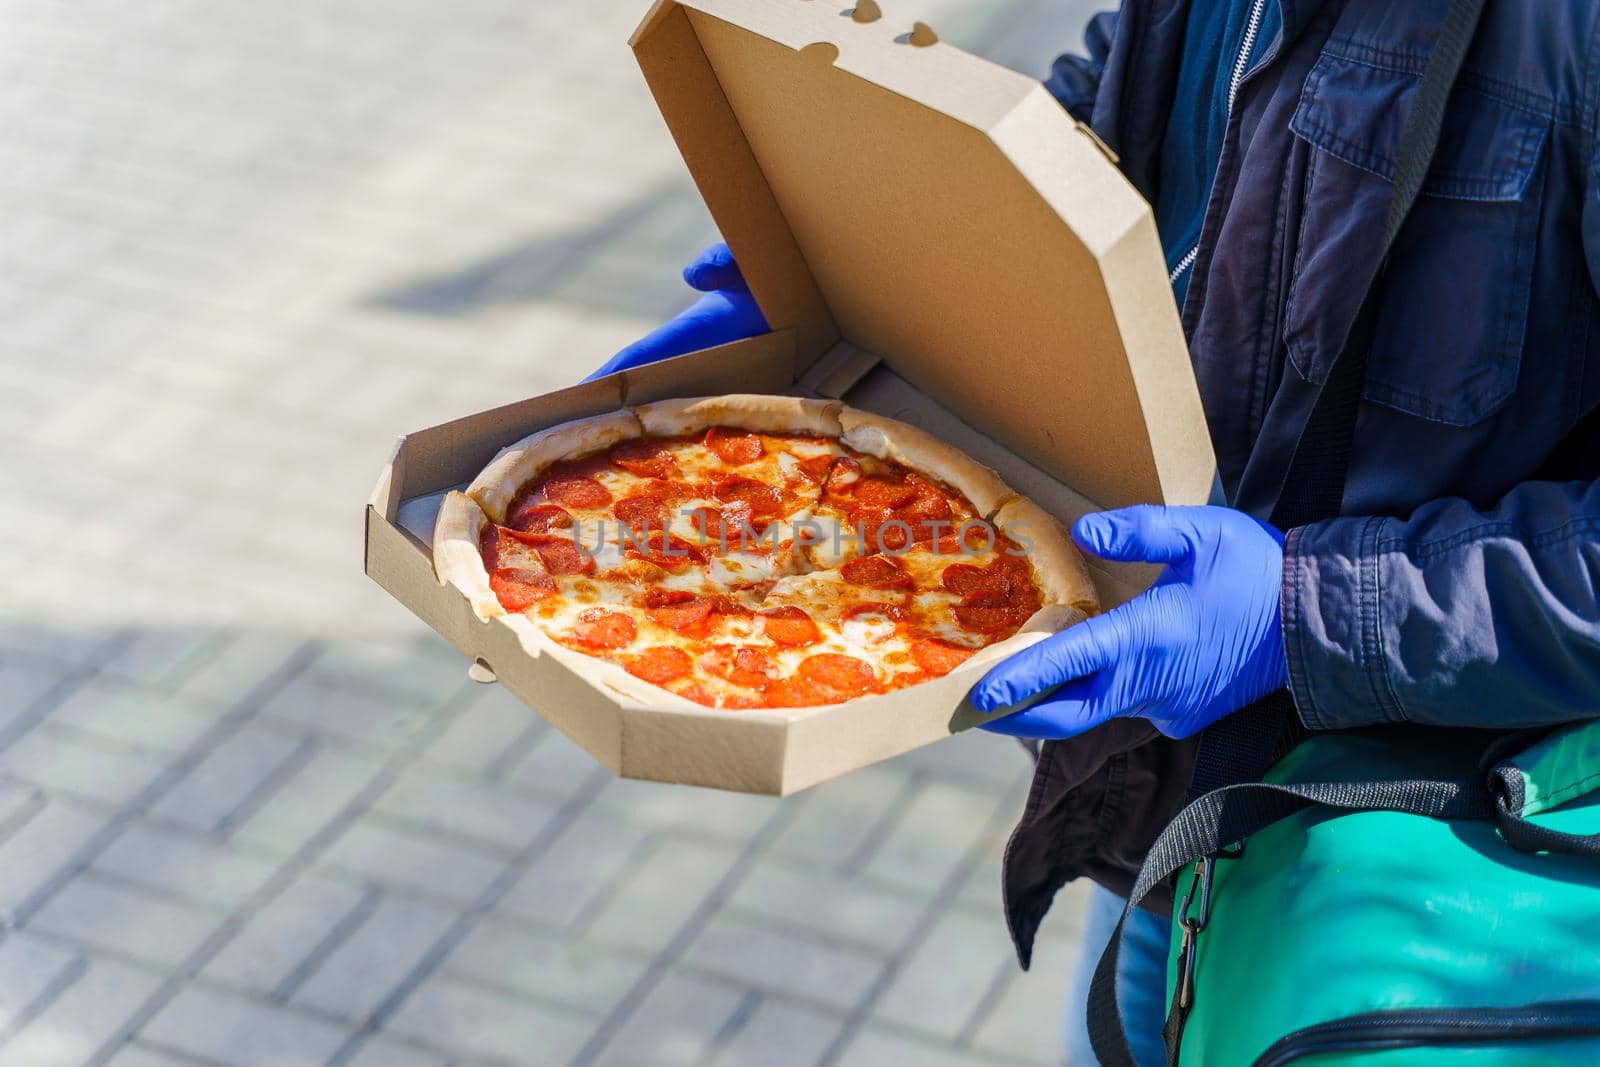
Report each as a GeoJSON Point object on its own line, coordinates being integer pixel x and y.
{"type": "Point", "coordinates": [947, 215]}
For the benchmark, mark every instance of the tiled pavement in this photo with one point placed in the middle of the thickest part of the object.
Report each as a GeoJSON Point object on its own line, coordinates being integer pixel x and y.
{"type": "Point", "coordinates": [251, 813]}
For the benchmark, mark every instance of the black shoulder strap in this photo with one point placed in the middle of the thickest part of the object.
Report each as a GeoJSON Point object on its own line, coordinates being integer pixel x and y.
{"type": "Point", "coordinates": [1240, 747]}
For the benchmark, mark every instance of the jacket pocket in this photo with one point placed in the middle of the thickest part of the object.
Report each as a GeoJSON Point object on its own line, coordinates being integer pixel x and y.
{"type": "Point", "coordinates": [1449, 333]}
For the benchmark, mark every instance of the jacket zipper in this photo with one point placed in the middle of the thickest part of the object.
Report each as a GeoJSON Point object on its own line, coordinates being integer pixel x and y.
{"type": "Point", "coordinates": [1411, 1028]}
{"type": "Point", "coordinates": [1252, 28]}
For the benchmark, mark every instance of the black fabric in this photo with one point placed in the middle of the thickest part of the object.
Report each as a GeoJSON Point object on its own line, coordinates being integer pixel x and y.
{"type": "Point", "coordinates": [1525, 836]}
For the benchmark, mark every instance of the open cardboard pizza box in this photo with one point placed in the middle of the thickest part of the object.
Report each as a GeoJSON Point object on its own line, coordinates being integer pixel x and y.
{"type": "Point", "coordinates": [931, 237]}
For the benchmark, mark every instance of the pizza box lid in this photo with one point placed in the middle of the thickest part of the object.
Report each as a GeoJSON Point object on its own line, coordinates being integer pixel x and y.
{"type": "Point", "coordinates": [947, 215]}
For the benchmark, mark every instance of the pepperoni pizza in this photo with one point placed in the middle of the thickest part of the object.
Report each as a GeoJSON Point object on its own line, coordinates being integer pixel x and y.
{"type": "Point", "coordinates": [756, 551]}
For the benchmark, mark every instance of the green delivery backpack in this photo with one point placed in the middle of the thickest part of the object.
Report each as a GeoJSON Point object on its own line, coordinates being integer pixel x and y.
{"type": "Point", "coordinates": [1405, 918]}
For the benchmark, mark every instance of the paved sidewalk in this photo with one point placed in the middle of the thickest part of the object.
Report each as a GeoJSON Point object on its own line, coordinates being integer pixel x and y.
{"type": "Point", "coordinates": [251, 813]}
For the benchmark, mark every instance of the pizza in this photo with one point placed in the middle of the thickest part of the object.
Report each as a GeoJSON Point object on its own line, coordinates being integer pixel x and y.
{"type": "Point", "coordinates": [753, 551]}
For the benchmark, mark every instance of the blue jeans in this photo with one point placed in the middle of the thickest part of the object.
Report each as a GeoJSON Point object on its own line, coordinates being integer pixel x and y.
{"type": "Point", "coordinates": [1141, 980]}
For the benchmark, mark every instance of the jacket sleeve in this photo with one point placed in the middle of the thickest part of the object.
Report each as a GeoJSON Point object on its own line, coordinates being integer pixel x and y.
{"type": "Point", "coordinates": [1452, 617]}
{"type": "Point", "coordinates": [1074, 80]}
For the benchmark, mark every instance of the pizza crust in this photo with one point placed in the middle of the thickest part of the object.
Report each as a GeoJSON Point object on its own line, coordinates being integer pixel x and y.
{"type": "Point", "coordinates": [518, 464]}
{"type": "Point", "coordinates": [1057, 564]}
{"type": "Point", "coordinates": [456, 559]}
{"type": "Point", "coordinates": [902, 443]}
{"type": "Point", "coordinates": [746, 411]}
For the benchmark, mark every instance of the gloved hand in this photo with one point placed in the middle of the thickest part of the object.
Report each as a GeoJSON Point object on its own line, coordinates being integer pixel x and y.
{"type": "Point", "coordinates": [1205, 640]}
{"type": "Point", "coordinates": [726, 313]}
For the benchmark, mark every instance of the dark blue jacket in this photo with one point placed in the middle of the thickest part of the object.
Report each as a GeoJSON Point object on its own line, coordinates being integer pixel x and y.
{"type": "Point", "coordinates": [1461, 587]}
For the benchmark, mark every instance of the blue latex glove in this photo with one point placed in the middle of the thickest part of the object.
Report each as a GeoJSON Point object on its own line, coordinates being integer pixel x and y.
{"type": "Point", "coordinates": [726, 313]}
{"type": "Point", "coordinates": [1205, 640]}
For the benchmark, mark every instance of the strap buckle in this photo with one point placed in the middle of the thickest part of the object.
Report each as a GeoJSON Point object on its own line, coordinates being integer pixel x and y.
{"type": "Point", "coordinates": [1204, 871]}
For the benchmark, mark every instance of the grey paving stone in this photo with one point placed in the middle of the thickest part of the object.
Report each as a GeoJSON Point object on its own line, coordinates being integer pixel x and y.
{"type": "Point", "coordinates": [23, 680]}
{"type": "Point", "coordinates": [985, 759]}
{"type": "Point", "coordinates": [473, 1021]}
{"type": "Point", "coordinates": [483, 732]}
{"type": "Point", "coordinates": [660, 894]}
{"type": "Point", "coordinates": [834, 820]}
{"type": "Point", "coordinates": [230, 774]}
{"type": "Point", "coordinates": [161, 656]}
{"type": "Point", "coordinates": [56, 759]}
{"type": "Point", "coordinates": [931, 836]}
{"type": "Point", "coordinates": [126, 921]}
{"type": "Point", "coordinates": [780, 1035]}
{"type": "Point", "coordinates": [277, 940]}
{"type": "Point", "coordinates": [53, 643]}
{"type": "Point", "coordinates": [19, 802]}
{"type": "Point", "coordinates": [942, 984]}
{"type": "Point", "coordinates": [28, 968]}
{"type": "Point", "coordinates": [236, 1030]}
{"type": "Point", "coordinates": [553, 768]}
{"type": "Point", "coordinates": [131, 1055]}
{"type": "Point", "coordinates": [686, 810]}
{"type": "Point", "coordinates": [550, 967]}
{"type": "Point", "coordinates": [41, 849]}
{"type": "Point", "coordinates": [393, 858]}
{"type": "Point", "coordinates": [374, 958]}
{"type": "Point", "coordinates": [421, 671]}
{"type": "Point", "coordinates": [87, 1014]}
{"type": "Point", "coordinates": [305, 803]}
{"type": "Point", "coordinates": [676, 1025]}
{"type": "Point", "coordinates": [243, 662]}
{"type": "Point", "coordinates": [778, 962]}
{"type": "Point", "coordinates": [466, 810]}
{"type": "Point", "coordinates": [380, 1051]}
{"type": "Point", "coordinates": [830, 906]}
{"type": "Point", "coordinates": [576, 872]}
{"type": "Point", "coordinates": [346, 711]}
{"type": "Point", "coordinates": [167, 861]}
{"type": "Point", "coordinates": [134, 716]}
{"type": "Point", "coordinates": [875, 1048]}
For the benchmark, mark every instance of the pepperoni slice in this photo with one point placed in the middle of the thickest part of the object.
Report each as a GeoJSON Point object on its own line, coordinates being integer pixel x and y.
{"type": "Point", "coordinates": [963, 578]}
{"type": "Point", "coordinates": [519, 589]}
{"type": "Point", "coordinates": [502, 549]}
{"type": "Point", "coordinates": [881, 530]}
{"type": "Point", "coordinates": [659, 665]}
{"type": "Point", "coordinates": [744, 665]}
{"type": "Point", "coordinates": [790, 626]}
{"type": "Point", "coordinates": [667, 551]}
{"type": "Point", "coordinates": [815, 468]}
{"type": "Point", "coordinates": [875, 572]}
{"type": "Point", "coordinates": [734, 447]}
{"type": "Point", "coordinates": [929, 512]}
{"type": "Point", "coordinates": [657, 597]}
{"type": "Point", "coordinates": [683, 614]}
{"type": "Point", "coordinates": [559, 553]}
{"type": "Point", "coordinates": [843, 475]}
{"type": "Point", "coordinates": [641, 513]}
{"type": "Point", "coordinates": [575, 491]}
{"type": "Point", "coordinates": [838, 676]}
{"type": "Point", "coordinates": [645, 458]}
{"type": "Point", "coordinates": [764, 501]}
{"type": "Point", "coordinates": [986, 611]}
{"type": "Point", "coordinates": [793, 693]}
{"type": "Point", "coordinates": [599, 628]}
{"type": "Point", "coordinates": [938, 657]}
{"type": "Point", "coordinates": [538, 518]}
{"type": "Point", "coordinates": [697, 693]}
{"type": "Point", "coordinates": [882, 492]}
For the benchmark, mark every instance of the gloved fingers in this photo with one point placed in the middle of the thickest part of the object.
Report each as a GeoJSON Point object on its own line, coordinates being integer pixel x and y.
{"type": "Point", "coordinates": [1144, 533]}
{"type": "Point", "coordinates": [714, 268]}
{"type": "Point", "coordinates": [1059, 658]}
{"type": "Point", "coordinates": [1067, 712]}
{"type": "Point", "coordinates": [714, 319]}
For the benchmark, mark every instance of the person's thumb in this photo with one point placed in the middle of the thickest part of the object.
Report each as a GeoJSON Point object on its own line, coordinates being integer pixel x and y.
{"type": "Point", "coordinates": [714, 268]}
{"type": "Point", "coordinates": [1145, 533]}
